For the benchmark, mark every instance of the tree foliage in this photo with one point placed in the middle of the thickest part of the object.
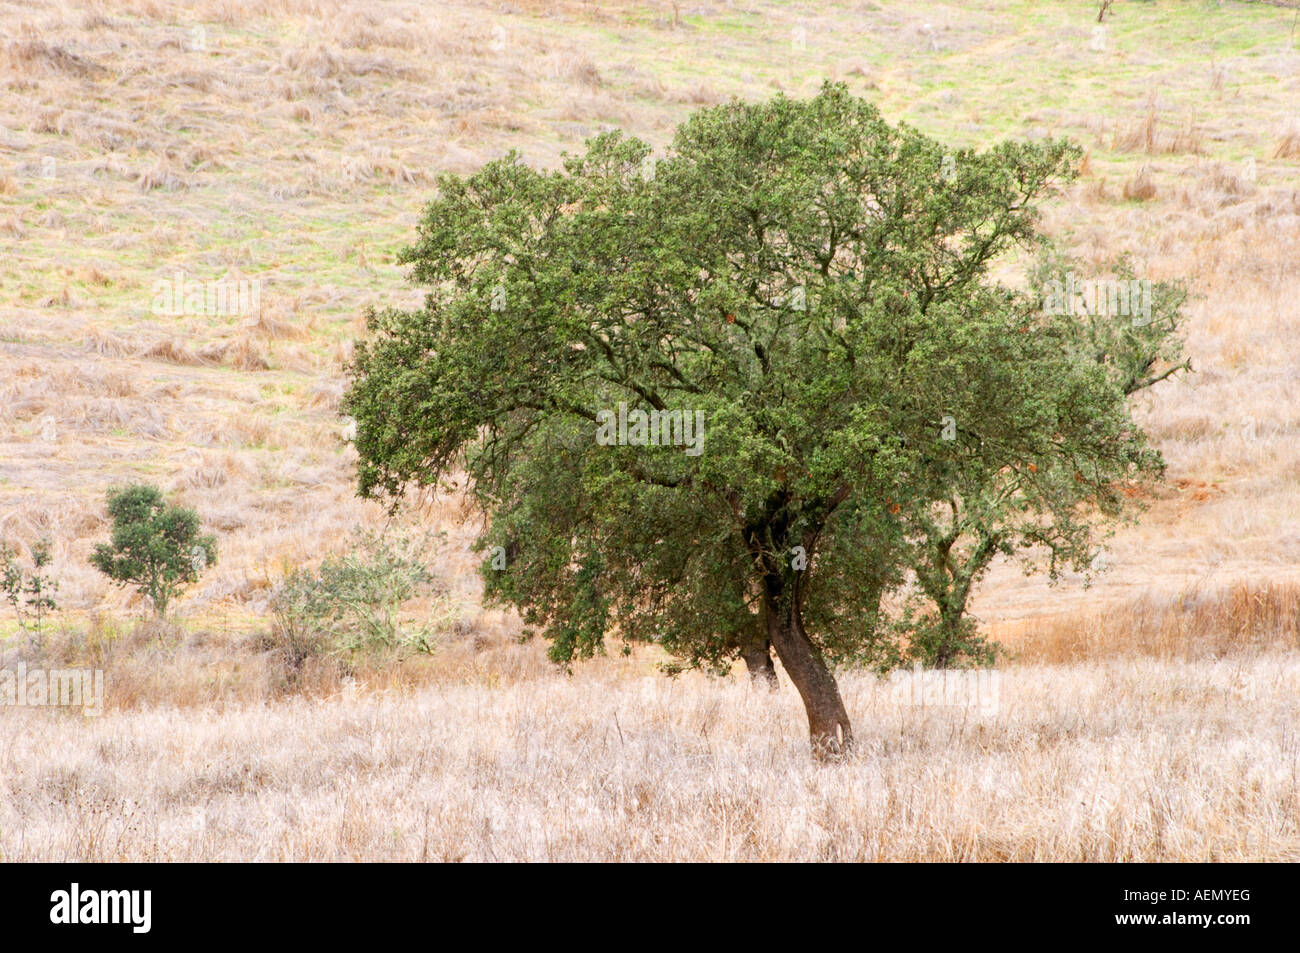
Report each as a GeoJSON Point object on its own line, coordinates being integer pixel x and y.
{"type": "Point", "coordinates": [815, 285]}
{"type": "Point", "coordinates": [28, 591]}
{"type": "Point", "coordinates": [155, 546]}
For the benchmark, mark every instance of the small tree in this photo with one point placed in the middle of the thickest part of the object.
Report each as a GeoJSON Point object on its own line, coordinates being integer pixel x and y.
{"type": "Point", "coordinates": [28, 590]}
{"type": "Point", "coordinates": [155, 546]}
{"type": "Point", "coordinates": [1053, 504]}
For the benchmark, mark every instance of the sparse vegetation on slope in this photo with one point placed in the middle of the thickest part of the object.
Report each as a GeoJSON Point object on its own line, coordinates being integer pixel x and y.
{"type": "Point", "coordinates": [148, 150]}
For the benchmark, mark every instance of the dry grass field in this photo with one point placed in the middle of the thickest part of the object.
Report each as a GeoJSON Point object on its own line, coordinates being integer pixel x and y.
{"type": "Point", "coordinates": [1125, 760]}
{"type": "Point", "coordinates": [1150, 716]}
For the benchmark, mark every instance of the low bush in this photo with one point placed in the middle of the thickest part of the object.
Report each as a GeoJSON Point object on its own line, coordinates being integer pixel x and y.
{"type": "Point", "coordinates": [352, 602]}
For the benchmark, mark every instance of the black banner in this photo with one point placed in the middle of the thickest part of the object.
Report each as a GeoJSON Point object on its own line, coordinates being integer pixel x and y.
{"type": "Point", "coordinates": [140, 903]}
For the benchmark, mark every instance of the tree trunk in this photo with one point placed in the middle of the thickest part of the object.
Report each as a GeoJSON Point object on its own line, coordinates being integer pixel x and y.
{"type": "Point", "coordinates": [950, 635]}
{"type": "Point", "coordinates": [828, 723]}
{"type": "Point", "coordinates": [757, 653]}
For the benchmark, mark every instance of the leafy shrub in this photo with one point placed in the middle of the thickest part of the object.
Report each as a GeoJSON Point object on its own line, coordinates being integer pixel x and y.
{"type": "Point", "coordinates": [352, 602]}
{"type": "Point", "coordinates": [952, 642]}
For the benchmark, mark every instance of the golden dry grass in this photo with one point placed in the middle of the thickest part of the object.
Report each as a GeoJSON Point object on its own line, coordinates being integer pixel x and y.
{"type": "Point", "coordinates": [1195, 624]}
{"type": "Point", "coordinates": [294, 141]}
{"type": "Point", "coordinates": [1120, 760]}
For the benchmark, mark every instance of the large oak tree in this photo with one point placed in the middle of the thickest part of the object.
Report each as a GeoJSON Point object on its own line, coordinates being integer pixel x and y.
{"type": "Point", "coordinates": [810, 281]}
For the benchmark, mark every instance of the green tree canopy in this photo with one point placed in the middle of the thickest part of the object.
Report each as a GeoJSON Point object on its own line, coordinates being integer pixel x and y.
{"type": "Point", "coordinates": [810, 284]}
{"type": "Point", "coordinates": [155, 546]}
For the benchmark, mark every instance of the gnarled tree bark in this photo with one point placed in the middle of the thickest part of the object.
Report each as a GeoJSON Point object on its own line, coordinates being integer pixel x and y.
{"type": "Point", "coordinates": [829, 729]}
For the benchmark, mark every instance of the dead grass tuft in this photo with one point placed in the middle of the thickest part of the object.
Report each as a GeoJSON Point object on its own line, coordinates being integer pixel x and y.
{"type": "Point", "coordinates": [107, 343]}
{"type": "Point", "coordinates": [160, 176]}
{"type": "Point", "coordinates": [173, 352]}
{"type": "Point", "coordinates": [699, 93]}
{"type": "Point", "coordinates": [273, 324]}
{"type": "Point", "coordinates": [1288, 146]}
{"type": "Point", "coordinates": [241, 354]}
{"type": "Point", "coordinates": [210, 471]}
{"type": "Point", "coordinates": [1226, 186]}
{"type": "Point", "coordinates": [1140, 188]}
{"type": "Point", "coordinates": [35, 56]}
{"type": "Point", "coordinates": [1154, 136]}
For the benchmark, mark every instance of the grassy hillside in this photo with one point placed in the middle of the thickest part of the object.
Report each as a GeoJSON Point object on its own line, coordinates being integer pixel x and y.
{"type": "Point", "coordinates": [294, 142]}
